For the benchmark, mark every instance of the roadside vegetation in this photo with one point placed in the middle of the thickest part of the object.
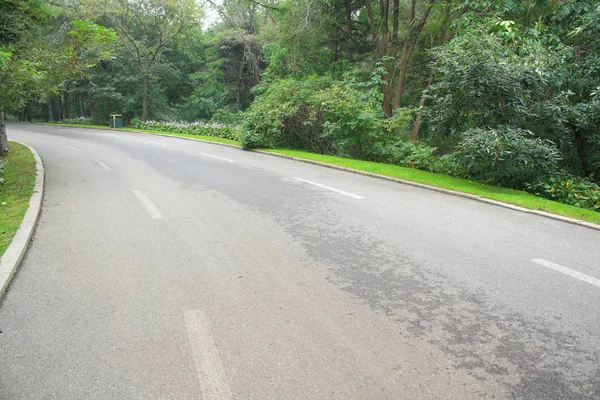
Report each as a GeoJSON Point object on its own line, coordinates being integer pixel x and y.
{"type": "Point", "coordinates": [17, 172]}
{"type": "Point", "coordinates": [504, 94]}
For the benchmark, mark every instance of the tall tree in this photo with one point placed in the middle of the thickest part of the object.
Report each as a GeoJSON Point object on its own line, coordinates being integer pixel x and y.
{"type": "Point", "coordinates": [17, 74]}
{"type": "Point", "coordinates": [395, 36]}
{"type": "Point", "coordinates": [146, 28]}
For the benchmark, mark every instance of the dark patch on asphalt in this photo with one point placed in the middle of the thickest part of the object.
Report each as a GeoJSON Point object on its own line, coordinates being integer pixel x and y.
{"type": "Point", "coordinates": [487, 340]}
{"type": "Point", "coordinates": [532, 358]}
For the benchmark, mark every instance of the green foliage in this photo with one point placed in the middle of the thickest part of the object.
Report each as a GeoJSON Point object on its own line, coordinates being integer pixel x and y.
{"type": "Point", "coordinates": [196, 128]}
{"type": "Point", "coordinates": [568, 189]}
{"type": "Point", "coordinates": [78, 121]}
{"type": "Point", "coordinates": [283, 115]}
{"type": "Point", "coordinates": [408, 154]}
{"type": "Point", "coordinates": [480, 82]}
{"type": "Point", "coordinates": [316, 113]}
{"type": "Point", "coordinates": [505, 156]}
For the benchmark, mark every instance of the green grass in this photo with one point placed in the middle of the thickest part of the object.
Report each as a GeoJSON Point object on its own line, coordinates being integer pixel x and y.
{"type": "Point", "coordinates": [516, 197]}
{"type": "Point", "coordinates": [185, 135]}
{"type": "Point", "coordinates": [16, 192]}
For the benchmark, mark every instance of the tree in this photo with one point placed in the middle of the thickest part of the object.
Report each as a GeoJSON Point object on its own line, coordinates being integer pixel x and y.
{"type": "Point", "coordinates": [395, 43]}
{"type": "Point", "coordinates": [146, 28]}
{"type": "Point", "coordinates": [18, 75]}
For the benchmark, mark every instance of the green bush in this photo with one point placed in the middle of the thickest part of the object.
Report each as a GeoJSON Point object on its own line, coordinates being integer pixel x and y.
{"type": "Point", "coordinates": [408, 154]}
{"type": "Point", "coordinates": [317, 114]}
{"type": "Point", "coordinates": [214, 129]}
{"type": "Point", "coordinates": [505, 156]}
{"type": "Point", "coordinates": [568, 189]}
{"type": "Point", "coordinates": [283, 115]}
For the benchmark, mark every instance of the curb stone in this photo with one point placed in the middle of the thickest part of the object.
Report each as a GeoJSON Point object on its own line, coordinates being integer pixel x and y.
{"type": "Point", "coordinates": [573, 221]}
{"type": "Point", "coordinates": [18, 246]}
{"type": "Point", "coordinates": [480, 199]}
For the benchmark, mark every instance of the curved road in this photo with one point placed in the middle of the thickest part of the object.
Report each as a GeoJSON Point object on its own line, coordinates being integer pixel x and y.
{"type": "Point", "coordinates": [168, 269]}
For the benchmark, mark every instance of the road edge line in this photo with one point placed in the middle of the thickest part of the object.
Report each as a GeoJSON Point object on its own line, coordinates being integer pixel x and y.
{"type": "Point", "coordinates": [12, 257]}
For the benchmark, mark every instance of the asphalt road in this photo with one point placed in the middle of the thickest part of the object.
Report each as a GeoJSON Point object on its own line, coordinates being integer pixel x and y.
{"type": "Point", "coordinates": [168, 269]}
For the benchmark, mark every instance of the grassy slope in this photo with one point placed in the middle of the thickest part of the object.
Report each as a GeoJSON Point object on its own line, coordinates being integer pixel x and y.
{"type": "Point", "coordinates": [510, 196]}
{"type": "Point", "coordinates": [16, 191]}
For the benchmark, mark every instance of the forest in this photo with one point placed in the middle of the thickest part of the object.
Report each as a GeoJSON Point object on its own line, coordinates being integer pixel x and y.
{"type": "Point", "coordinates": [505, 92]}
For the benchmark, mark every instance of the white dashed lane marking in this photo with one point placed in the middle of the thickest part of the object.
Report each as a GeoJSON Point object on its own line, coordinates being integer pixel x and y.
{"type": "Point", "coordinates": [213, 381]}
{"type": "Point", "coordinates": [568, 271]}
{"type": "Point", "coordinates": [354, 196]}
{"type": "Point", "coordinates": [148, 205]}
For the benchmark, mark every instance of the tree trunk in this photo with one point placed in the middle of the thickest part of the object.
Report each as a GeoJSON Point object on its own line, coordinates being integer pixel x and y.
{"type": "Point", "coordinates": [3, 137]}
{"type": "Point", "coordinates": [580, 143]}
{"type": "Point", "coordinates": [387, 100]}
{"type": "Point", "coordinates": [348, 30]}
{"type": "Point", "coordinates": [77, 105]}
{"type": "Point", "coordinates": [23, 114]}
{"type": "Point", "coordinates": [415, 132]}
{"type": "Point", "coordinates": [56, 108]}
{"type": "Point", "coordinates": [402, 74]}
{"type": "Point", "coordinates": [145, 99]}
{"type": "Point", "coordinates": [45, 113]}
{"type": "Point", "coordinates": [66, 109]}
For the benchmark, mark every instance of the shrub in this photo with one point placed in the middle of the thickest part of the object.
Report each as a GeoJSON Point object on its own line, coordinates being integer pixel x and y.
{"type": "Point", "coordinates": [352, 119]}
{"type": "Point", "coordinates": [408, 154]}
{"type": "Point", "coordinates": [505, 156]}
{"type": "Point", "coordinates": [284, 116]}
{"type": "Point", "coordinates": [214, 129]}
{"type": "Point", "coordinates": [317, 114]}
{"type": "Point", "coordinates": [568, 189]}
{"type": "Point", "coordinates": [77, 121]}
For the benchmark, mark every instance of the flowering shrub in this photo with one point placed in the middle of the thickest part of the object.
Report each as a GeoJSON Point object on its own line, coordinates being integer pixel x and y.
{"type": "Point", "coordinates": [568, 189]}
{"type": "Point", "coordinates": [77, 121]}
{"type": "Point", "coordinates": [214, 129]}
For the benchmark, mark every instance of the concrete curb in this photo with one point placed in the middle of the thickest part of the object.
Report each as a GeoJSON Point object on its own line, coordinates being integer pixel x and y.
{"type": "Point", "coordinates": [16, 250]}
{"type": "Point", "coordinates": [441, 190]}
{"type": "Point", "coordinates": [545, 214]}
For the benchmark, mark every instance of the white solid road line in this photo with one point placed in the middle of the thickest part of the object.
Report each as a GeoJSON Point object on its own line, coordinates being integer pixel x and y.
{"type": "Point", "coordinates": [148, 204]}
{"type": "Point", "coordinates": [568, 271]}
{"type": "Point", "coordinates": [217, 157]}
{"type": "Point", "coordinates": [354, 196]}
{"type": "Point", "coordinates": [72, 148]}
{"type": "Point", "coordinates": [213, 381]}
{"type": "Point", "coordinates": [102, 164]}
{"type": "Point", "coordinates": [156, 143]}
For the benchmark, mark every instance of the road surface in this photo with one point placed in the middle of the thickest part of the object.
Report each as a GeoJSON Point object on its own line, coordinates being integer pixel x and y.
{"type": "Point", "coordinates": [168, 269]}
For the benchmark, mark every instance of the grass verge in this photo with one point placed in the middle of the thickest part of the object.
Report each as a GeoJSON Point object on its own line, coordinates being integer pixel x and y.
{"type": "Point", "coordinates": [511, 196]}
{"type": "Point", "coordinates": [19, 178]}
